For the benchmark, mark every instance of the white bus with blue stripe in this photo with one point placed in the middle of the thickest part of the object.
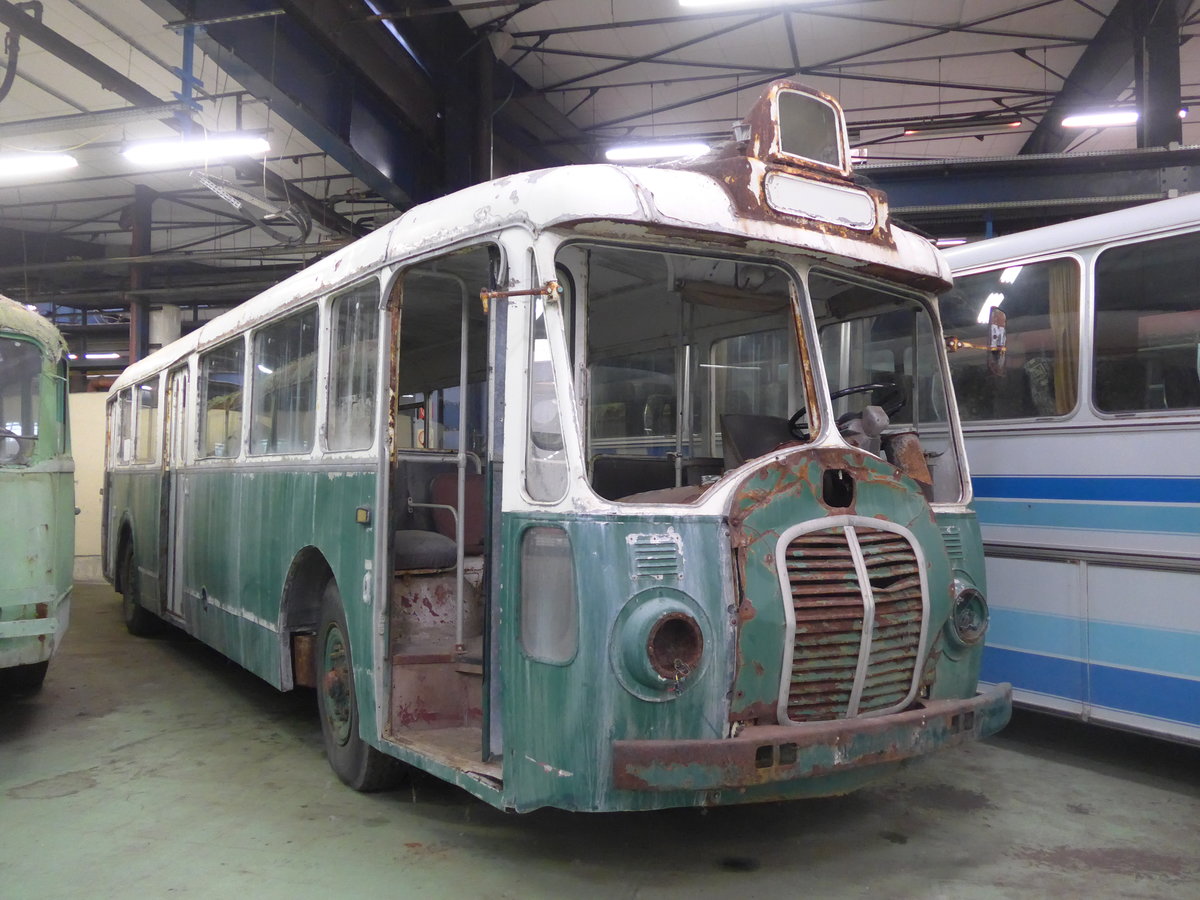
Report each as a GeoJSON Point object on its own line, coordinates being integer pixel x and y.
{"type": "Point", "coordinates": [1084, 448]}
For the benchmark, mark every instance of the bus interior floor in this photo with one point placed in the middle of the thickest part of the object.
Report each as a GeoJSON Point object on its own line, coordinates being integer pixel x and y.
{"type": "Point", "coordinates": [148, 768]}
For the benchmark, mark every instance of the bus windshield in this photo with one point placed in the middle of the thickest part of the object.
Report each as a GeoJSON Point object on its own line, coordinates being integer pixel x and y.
{"type": "Point", "coordinates": [20, 373]}
{"type": "Point", "coordinates": [676, 345]}
{"type": "Point", "coordinates": [880, 350]}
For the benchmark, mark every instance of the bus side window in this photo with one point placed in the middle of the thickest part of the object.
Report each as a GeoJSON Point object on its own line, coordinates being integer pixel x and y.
{"type": "Point", "coordinates": [1041, 303]}
{"type": "Point", "coordinates": [145, 444]}
{"type": "Point", "coordinates": [1147, 326]}
{"type": "Point", "coordinates": [221, 377]}
{"type": "Point", "coordinates": [284, 379]}
{"type": "Point", "coordinates": [350, 420]}
{"type": "Point", "coordinates": [123, 430]}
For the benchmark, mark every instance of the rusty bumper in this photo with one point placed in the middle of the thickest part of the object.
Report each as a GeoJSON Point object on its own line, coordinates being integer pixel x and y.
{"type": "Point", "coordinates": [776, 753]}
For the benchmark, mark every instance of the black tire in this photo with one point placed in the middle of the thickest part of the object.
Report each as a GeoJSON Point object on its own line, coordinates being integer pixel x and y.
{"type": "Point", "coordinates": [356, 762]}
{"type": "Point", "coordinates": [23, 680]}
{"type": "Point", "coordinates": [139, 621]}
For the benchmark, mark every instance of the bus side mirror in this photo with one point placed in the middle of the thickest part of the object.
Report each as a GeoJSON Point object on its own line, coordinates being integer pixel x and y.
{"type": "Point", "coordinates": [997, 340]}
{"type": "Point", "coordinates": [997, 345]}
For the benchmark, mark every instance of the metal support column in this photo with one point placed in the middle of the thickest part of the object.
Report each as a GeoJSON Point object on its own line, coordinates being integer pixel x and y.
{"type": "Point", "coordinates": [1156, 75]}
{"type": "Point", "coordinates": [140, 220]}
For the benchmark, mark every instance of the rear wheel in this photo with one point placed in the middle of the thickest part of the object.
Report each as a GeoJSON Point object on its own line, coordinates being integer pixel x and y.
{"type": "Point", "coordinates": [26, 679]}
{"type": "Point", "coordinates": [139, 621]}
{"type": "Point", "coordinates": [356, 762]}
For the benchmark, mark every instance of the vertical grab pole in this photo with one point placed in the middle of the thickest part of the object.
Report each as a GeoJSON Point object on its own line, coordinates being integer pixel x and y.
{"type": "Point", "coordinates": [459, 529]}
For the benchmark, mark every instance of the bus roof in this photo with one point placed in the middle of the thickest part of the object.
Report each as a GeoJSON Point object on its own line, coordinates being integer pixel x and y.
{"type": "Point", "coordinates": [622, 202]}
{"type": "Point", "coordinates": [17, 319]}
{"type": "Point", "coordinates": [1146, 220]}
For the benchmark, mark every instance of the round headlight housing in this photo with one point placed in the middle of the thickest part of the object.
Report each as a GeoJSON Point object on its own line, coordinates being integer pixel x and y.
{"type": "Point", "coordinates": [658, 644]}
{"type": "Point", "coordinates": [969, 618]}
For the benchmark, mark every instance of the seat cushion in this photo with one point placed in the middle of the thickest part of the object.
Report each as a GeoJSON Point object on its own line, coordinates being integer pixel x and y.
{"type": "Point", "coordinates": [415, 549]}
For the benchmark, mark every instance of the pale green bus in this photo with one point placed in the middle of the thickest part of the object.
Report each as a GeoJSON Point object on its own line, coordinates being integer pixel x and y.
{"type": "Point", "coordinates": [37, 497]}
{"type": "Point", "coordinates": [603, 488]}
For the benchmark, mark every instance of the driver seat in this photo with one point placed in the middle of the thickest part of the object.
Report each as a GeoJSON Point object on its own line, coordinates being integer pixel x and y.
{"type": "Point", "coordinates": [746, 436]}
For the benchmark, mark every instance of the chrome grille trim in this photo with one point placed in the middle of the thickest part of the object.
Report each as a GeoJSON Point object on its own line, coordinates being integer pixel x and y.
{"type": "Point", "coordinates": [833, 591]}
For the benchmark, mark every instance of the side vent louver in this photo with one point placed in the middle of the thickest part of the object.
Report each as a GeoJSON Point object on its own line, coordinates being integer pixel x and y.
{"type": "Point", "coordinates": [655, 558]}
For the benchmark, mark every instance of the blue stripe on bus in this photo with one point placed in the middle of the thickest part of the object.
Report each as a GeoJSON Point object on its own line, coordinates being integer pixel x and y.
{"type": "Point", "coordinates": [1141, 693]}
{"type": "Point", "coordinates": [1090, 516]}
{"type": "Point", "coordinates": [1107, 643]}
{"type": "Point", "coordinates": [1034, 672]}
{"type": "Point", "coordinates": [1108, 488]}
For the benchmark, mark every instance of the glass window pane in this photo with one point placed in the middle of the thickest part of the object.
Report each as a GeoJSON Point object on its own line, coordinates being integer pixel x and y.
{"type": "Point", "coordinates": [546, 463]}
{"type": "Point", "coordinates": [146, 441]}
{"type": "Point", "coordinates": [1040, 377]}
{"type": "Point", "coordinates": [881, 350]}
{"type": "Point", "coordinates": [808, 128]}
{"type": "Point", "coordinates": [20, 382]}
{"type": "Point", "coordinates": [1147, 327]}
{"type": "Point", "coordinates": [124, 432]}
{"type": "Point", "coordinates": [221, 377]}
{"type": "Point", "coordinates": [430, 414]}
{"type": "Point", "coordinates": [352, 369]}
{"type": "Point", "coordinates": [549, 608]}
{"type": "Point", "coordinates": [284, 385]}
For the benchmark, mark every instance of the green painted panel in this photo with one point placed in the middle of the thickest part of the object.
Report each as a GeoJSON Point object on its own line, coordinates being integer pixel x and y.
{"type": "Point", "coordinates": [242, 530]}
{"type": "Point", "coordinates": [560, 720]}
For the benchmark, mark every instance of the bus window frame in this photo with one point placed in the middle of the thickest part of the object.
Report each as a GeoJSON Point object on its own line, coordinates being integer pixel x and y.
{"type": "Point", "coordinates": [1084, 261]}
{"type": "Point", "coordinates": [1088, 334]}
{"type": "Point", "coordinates": [325, 362]}
{"type": "Point", "coordinates": [201, 394]}
{"type": "Point", "coordinates": [320, 368]}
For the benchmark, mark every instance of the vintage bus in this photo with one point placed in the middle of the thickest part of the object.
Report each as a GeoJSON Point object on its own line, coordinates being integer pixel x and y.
{"type": "Point", "coordinates": [37, 494]}
{"type": "Point", "coordinates": [1085, 456]}
{"type": "Point", "coordinates": [576, 488]}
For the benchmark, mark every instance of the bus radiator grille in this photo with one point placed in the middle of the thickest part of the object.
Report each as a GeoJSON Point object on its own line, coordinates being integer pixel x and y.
{"type": "Point", "coordinates": [829, 607]}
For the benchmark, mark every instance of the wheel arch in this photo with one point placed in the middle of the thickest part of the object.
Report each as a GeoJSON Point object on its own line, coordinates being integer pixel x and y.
{"type": "Point", "coordinates": [300, 610]}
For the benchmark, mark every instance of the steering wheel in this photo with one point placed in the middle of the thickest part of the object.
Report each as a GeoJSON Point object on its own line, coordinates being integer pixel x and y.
{"type": "Point", "coordinates": [891, 404]}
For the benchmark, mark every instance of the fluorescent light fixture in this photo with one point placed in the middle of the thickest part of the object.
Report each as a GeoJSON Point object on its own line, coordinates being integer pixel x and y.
{"type": "Point", "coordinates": [195, 150]}
{"type": "Point", "coordinates": [950, 242]}
{"type": "Point", "coordinates": [102, 356]}
{"type": "Point", "coordinates": [72, 356]}
{"type": "Point", "coordinates": [1009, 275]}
{"type": "Point", "coordinates": [985, 311]}
{"type": "Point", "coordinates": [970, 129]}
{"type": "Point", "coordinates": [705, 4]}
{"type": "Point", "coordinates": [631, 152]}
{"type": "Point", "coordinates": [1104, 119]}
{"type": "Point", "coordinates": [20, 165]}
{"type": "Point", "coordinates": [31, 307]}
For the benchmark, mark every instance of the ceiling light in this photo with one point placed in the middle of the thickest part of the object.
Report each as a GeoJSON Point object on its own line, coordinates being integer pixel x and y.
{"type": "Point", "coordinates": [102, 356]}
{"type": "Point", "coordinates": [632, 152]}
{"type": "Point", "coordinates": [992, 301]}
{"type": "Point", "coordinates": [950, 242]}
{"type": "Point", "coordinates": [195, 150]}
{"type": "Point", "coordinates": [1102, 119]}
{"type": "Point", "coordinates": [704, 4]}
{"type": "Point", "coordinates": [20, 165]}
{"type": "Point", "coordinates": [936, 129]}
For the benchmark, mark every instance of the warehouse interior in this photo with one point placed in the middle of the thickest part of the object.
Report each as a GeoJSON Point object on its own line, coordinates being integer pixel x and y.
{"type": "Point", "coordinates": [149, 768]}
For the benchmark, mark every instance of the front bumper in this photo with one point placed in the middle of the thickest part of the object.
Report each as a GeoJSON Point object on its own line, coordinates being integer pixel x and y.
{"type": "Point", "coordinates": [775, 753]}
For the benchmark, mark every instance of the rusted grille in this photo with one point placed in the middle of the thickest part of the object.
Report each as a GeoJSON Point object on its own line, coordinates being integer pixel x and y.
{"type": "Point", "coordinates": [828, 601]}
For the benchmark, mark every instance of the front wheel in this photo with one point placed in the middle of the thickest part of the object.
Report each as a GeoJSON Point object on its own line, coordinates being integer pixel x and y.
{"type": "Point", "coordinates": [356, 762]}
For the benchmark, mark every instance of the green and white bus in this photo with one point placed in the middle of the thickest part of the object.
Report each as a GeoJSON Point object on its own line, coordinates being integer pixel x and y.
{"type": "Point", "coordinates": [37, 495]}
{"type": "Point", "coordinates": [602, 488]}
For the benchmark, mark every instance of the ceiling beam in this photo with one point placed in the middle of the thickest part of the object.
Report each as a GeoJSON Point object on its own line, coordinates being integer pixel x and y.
{"type": "Point", "coordinates": [1103, 72]}
{"type": "Point", "coordinates": [319, 91]}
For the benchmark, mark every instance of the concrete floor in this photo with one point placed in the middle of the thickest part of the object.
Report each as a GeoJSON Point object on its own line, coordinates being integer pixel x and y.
{"type": "Point", "coordinates": [148, 768]}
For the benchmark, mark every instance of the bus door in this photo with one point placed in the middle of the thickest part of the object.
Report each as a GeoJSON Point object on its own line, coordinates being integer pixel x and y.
{"type": "Point", "coordinates": [174, 491]}
{"type": "Point", "coordinates": [439, 598]}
